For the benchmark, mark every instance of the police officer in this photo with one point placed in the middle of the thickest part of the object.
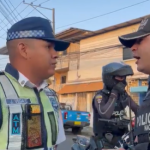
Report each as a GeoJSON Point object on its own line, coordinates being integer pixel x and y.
{"type": "Point", "coordinates": [29, 110]}
{"type": "Point", "coordinates": [110, 102]}
{"type": "Point", "coordinates": [139, 42]}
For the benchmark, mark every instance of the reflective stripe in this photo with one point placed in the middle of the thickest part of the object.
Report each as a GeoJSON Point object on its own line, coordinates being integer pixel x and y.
{"type": "Point", "coordinates": [53, 121]}
{"type": "Point", "coordinates": [53, 127]}
{"type": "Point", "coordinates": [14, 140]}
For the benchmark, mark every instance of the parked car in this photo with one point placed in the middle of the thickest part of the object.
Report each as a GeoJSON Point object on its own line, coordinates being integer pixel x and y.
{"type": "Point", "coordinates": [74, 119]}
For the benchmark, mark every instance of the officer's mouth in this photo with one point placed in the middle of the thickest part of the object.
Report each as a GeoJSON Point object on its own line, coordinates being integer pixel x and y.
{"type": "Point", "coordinates": [137, 59]}
{"type": "Point", "coordinates": [54, 65]}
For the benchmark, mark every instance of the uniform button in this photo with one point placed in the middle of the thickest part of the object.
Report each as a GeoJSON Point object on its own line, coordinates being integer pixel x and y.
{"type": "Point", "coordinates": [22, 82]}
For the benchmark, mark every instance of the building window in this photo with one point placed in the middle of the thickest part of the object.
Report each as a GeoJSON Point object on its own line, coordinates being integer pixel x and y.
{"type": "Point", "coordinates": [63, 79]}
{"type": "Point", "coordinates": [127, 53]}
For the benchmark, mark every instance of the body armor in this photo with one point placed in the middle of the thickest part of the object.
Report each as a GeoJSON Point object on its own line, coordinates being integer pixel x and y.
{"type": "Point", "coordinates": [142, 124]}
{"type": "Point", "coordinates": [102, 127]}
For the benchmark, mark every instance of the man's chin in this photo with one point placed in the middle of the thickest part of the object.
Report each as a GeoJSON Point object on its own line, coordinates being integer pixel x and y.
{"type": "Point", "coordinates": [51, 73]}
{"type": "Point", "coordinates": [142, 70]}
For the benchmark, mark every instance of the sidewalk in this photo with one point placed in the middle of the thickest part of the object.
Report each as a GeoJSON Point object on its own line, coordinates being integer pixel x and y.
{"type": "Point", "coordinates": [88, 131]}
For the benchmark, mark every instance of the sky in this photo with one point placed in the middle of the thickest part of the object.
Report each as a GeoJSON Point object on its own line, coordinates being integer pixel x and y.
{"type": "Point", "coordinates": [69, 13]}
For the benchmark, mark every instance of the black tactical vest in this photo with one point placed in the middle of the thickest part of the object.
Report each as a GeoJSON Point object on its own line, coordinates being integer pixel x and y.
{"type": "Point", "coordinates": [142, 122]}
{"type": "Point", "coordinates": [101, 127]}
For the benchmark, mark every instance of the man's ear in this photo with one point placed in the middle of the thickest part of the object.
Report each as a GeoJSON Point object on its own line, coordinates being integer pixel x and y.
{"type": "Point", "coordinates": [23, 50]}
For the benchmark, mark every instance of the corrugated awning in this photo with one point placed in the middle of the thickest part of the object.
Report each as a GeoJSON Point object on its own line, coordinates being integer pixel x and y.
{"type": "Point", "coordinates": [79, 88]}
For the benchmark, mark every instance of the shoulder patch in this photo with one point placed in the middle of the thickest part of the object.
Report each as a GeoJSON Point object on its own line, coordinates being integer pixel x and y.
{"type": "Point", "coordinates": [98, 98]}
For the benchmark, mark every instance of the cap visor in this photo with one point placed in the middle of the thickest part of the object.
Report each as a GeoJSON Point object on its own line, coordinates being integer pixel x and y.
{"type": "Point", "coordinates": [129, 39]}
{"type": "Point", "coordinates": [59, 45]}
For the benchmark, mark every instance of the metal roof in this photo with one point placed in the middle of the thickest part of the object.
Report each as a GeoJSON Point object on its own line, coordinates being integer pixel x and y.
{"type": "Point", "coordinates": [68, 34]}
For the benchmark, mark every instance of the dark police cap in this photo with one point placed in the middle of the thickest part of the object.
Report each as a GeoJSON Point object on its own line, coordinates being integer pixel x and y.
{"type": "Point", "coordinates": [35, 28]}
{"type": "Point", "coordinates": [128, 40]}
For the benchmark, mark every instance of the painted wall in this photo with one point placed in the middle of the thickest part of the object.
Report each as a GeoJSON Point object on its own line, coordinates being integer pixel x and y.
{"type": "Point", "coordinates": [105, 39]}
{"type": "Point", "coordinates": [97, 51]}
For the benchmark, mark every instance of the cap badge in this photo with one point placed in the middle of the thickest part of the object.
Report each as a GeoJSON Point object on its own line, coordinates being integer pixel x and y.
{"type": "Point", "coordinates": [143, 24]}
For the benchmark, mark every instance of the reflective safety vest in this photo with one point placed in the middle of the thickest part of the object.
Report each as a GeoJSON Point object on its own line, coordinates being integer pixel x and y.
{"type": "Point", "coordinates": [28, 118]}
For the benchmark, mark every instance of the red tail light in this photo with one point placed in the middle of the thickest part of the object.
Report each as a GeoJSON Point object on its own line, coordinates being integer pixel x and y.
{"type": "Point", "coordinates": [133, 123]}
{"type": "Point", "coordinates": [89, 116]}
{"type": "Point", "coordinates": [65, 115]}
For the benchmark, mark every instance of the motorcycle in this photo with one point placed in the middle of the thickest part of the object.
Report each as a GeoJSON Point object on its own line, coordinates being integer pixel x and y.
{"type": "Point", "coordinates": [93, 143]}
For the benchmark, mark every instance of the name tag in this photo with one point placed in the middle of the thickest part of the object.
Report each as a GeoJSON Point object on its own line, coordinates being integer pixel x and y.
{"type": "Point", "coordinates": [18, 101]}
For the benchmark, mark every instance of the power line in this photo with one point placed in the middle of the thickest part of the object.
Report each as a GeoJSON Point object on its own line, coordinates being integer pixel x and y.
{"type": "Point", "coordinates": [103, 14]}
{"type": "Point", "coordinates": [39, 12]}
{"type": "Point", "coordinates": [2, 21]}
{"type": "Point", "coordinates": [32, 2]}
{"type": "Point", "coordinates": [52, 9]}
{"type": "Point", "coordinates": [8, 10]}
{"type": "Point", "coordinates": [44, 2]}
{"type": "Point", "coordinates": [12, 11]}
{"type": "Point", "coordinates": [94, 50]}
{"type": "Point", "coordinates": [29, 12]}
{"type": "Point", "coordinates": [35, 7]}
{"type": "Point", "coordinates": [3, 12]}
{"type": "Point", "coordinates": [1, 36]}
{"type": "Point", "coordinates": [13, 8]}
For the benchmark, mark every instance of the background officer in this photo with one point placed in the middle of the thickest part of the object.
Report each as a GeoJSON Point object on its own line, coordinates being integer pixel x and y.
{"type": "Point", "coordinates": [29, 110]}
{"type": "Point", "coordinates": [110, 102]}
{"type": "Point", "coordinates": [139, 42]}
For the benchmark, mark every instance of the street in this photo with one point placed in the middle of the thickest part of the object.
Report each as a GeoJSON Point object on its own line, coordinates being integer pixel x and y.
{"type": "Point", "coordinates": [68, 143]}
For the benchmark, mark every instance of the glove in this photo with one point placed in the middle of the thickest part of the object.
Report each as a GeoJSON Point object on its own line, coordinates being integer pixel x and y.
{"type": "Point", "coordinates": [124, 99]}
{"type": "Point", "coordinates": [119, 87]}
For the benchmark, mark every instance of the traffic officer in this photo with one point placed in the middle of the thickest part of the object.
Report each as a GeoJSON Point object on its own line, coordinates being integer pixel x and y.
{"type": "Point", "coordinates": [139, 42]}
{"type": "Point", "coordinates": [110, 102]}
{"type": "Point", "coordinates": [29, 110]}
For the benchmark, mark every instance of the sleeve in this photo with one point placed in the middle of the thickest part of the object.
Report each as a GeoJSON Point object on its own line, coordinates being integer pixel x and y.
{"type": "Point", "coordinates": [125, 102]}
{"type": "Point", "coordinates": [61, 134]}
{"type": "Point", "coordinates": [104, 109]}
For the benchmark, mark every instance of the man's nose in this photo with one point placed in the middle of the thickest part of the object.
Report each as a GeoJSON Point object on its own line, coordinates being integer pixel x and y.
{"type": "Point", "coordinates": [134, 47]}
{"type": "Point", "coordinates": [54, 53]}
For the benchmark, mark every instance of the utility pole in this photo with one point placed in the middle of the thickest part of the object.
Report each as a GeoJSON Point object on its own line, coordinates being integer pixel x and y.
{"type": "Point", "coordinates": [52, 9]}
